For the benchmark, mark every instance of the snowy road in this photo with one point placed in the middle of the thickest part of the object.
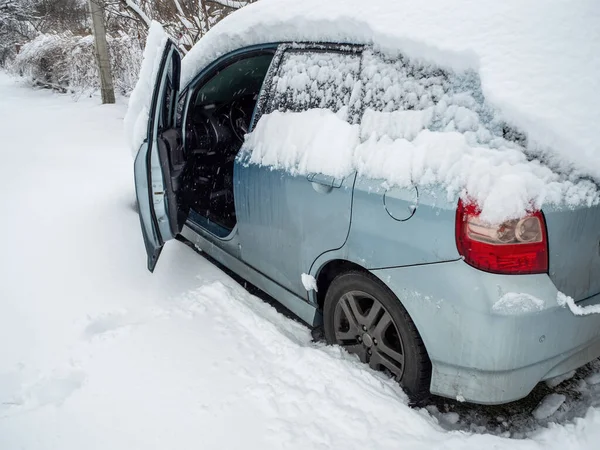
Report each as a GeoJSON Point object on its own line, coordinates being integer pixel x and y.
{"type": "Point", "coordinates": [96, 353]}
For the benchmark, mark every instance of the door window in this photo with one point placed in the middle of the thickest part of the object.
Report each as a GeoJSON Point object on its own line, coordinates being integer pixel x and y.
{"type": "Point", "coordinates": [290, 214]}
{"type": "Point", "coordinates": [180, 108]}
{"type": "Point", "coordinates": [308, 79]}
{"type": "Point", "coordinates": [166, 114]}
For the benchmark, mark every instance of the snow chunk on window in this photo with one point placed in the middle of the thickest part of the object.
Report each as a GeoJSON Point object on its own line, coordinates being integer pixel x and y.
{"type": "Point", "coordinates": [313, 141]}
{"type": "Point", "coordinates": [138, 112]}
{"type": "Point", "coordinates": [396, 124]}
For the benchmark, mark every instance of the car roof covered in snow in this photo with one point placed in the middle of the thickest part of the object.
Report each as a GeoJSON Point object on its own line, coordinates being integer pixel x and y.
{"type": "Point", "coordinates": [538, 60]}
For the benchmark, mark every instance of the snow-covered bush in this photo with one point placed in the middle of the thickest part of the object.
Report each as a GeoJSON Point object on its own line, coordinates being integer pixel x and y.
{"type": "Point", "coordinates": [67, 62]}
{"type": "Point", "coordinates": [43, 60]}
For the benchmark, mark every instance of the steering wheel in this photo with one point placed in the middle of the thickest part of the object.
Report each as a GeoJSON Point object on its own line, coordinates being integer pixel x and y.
{"type": "Point", "coordinates": [209, 132]}
{"type": "Point", "coordinates": [239, 119]}
{"type": "Point", "coordinates": [200, 134]}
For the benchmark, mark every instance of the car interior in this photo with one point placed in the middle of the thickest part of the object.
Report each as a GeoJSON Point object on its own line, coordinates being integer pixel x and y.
{"type": "Point", "coordinates": [218, 117]}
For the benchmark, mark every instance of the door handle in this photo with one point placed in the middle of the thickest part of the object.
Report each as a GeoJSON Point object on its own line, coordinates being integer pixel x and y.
{"type": "Point", "coordinates": [325, 180]}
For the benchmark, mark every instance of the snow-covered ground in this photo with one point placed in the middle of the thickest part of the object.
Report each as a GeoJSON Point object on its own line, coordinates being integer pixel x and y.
{"type": "Point", "coordinates": [97, 353]}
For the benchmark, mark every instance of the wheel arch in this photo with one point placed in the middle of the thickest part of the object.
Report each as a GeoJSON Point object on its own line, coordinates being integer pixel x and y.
{"type": "Point", "coordinates": [337, 266]}
{"type": "Point", "coordinates": [327, 273]}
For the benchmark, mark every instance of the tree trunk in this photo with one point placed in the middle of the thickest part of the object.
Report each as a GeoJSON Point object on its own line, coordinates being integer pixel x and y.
{"type": "Point", "coordinates": [102, 57]}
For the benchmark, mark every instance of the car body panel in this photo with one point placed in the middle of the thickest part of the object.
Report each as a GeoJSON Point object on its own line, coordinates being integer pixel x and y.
{"type": "Point", "coordinates": [482, 351]}
{"type": "Point", "coordinates": [229, 244]}
{"type": "Point", "coordinates": [378, 239]}
{"type": "Point", "coordinates": [286, 221]}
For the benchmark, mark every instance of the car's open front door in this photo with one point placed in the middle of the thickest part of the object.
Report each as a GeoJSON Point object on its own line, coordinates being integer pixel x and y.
{"type": "Point", "coordinates": [160, 160]}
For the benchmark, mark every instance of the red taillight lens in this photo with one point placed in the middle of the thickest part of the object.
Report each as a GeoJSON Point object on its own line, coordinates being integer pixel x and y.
{"type": "Point", "coordinates": [513, 247]}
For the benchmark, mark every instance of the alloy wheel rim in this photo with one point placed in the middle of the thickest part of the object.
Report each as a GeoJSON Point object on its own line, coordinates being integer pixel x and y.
{"type": "Point", "coordinates": [364, 327]}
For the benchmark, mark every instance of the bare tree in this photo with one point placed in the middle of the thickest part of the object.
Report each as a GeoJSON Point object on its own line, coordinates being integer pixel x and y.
{"type": "Point", "coordinates": [232, 4]}
{"type": "Point", "coordinates": [47, 39]}
{"type": "Point", "coordinates": [60, 15]}
{"type": "Point", "coordinates": [137, 11]}
{"type": "Point", "coordinates": [15, 26]}
{"type": "Point", "coordinates": [187, 20]}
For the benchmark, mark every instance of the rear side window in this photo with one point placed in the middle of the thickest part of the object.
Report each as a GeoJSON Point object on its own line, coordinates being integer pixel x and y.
{"type": "Point", "coordinates": [400, 84]}
{"type": "Point", "coordinates": [309, 79]}
{"type": "Point", "coordinates": [402, 97]}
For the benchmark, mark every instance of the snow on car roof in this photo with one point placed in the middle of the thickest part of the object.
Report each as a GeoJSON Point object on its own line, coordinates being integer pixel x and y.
{"type": "Point", "coordinates": [538, 60]}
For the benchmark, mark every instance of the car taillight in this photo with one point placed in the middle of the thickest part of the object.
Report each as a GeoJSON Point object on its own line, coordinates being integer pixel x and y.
{"type": "Point", "coordinates": [513, 247]}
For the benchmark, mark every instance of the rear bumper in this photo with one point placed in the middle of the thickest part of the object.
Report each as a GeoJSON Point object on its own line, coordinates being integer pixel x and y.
{"type": "Point", "coordinates": [484, 353]}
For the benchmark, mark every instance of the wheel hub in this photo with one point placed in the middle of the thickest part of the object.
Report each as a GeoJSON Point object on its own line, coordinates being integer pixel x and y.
{"type": "Point", "coordinates": [364, 327]}
{"type": "Point", "coordinates": [367, 340]}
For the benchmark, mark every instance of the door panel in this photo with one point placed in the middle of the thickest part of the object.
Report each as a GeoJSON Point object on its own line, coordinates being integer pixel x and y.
{"type": "Point", "coordinates": [152, 239]}
{"type": "Point", "coordinates": [158, 163]}
{"type": "Point", "coordinates": [285, 223]}
{"type": "Point", "coordinates": [211, 143]}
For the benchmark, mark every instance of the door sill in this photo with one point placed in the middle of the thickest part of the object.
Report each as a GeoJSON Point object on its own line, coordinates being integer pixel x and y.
{"type": "Point", "coordinates": [200, 223]}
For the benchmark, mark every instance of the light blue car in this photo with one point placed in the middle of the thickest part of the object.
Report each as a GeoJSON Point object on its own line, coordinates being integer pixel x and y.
{"type": "Point", "coordinates": [410, 281]}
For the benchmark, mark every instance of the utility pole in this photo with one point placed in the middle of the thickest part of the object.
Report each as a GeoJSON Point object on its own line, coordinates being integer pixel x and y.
{"type": "Point", "coordinates": [102, 57]}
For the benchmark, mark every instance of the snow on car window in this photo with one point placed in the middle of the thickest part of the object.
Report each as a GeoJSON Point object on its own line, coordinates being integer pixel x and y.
{"type": "Point", "coordinates": [398, 84]}
{"type": "Point", "coordinates": [423, 96]}
{"type": "Point", "coordinates": [317, 79]}
{"type": "Point", "coordinates": [419, 125]}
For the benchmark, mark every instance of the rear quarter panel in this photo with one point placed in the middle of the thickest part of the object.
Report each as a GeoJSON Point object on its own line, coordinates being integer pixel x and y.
{"type": "Point", "coordinates": [378, 240]}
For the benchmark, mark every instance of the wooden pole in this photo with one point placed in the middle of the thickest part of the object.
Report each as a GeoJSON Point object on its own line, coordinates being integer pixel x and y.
{"type": "Point", "coordinates": [102, 57]}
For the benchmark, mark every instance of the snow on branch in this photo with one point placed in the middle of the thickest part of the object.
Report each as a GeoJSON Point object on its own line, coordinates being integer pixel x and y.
{"type": "Point", "coordinates": [233, 4]}
{"type": "Point", "coordinates": [135, 8]}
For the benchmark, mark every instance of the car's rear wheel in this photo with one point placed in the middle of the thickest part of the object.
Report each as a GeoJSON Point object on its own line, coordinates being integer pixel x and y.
{"type": "Point", "coordinates": [362, 315]}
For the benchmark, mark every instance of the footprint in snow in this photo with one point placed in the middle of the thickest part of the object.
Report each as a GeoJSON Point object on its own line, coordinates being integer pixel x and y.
{"type": "Point", "coordinates": [53, 389]}
{"type": "Point", "coordinates": [10, 386]}
{"type": "Point", "coordinates": [106, 323]}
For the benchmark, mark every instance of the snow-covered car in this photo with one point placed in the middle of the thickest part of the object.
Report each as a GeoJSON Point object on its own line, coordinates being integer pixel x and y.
{"type": "Point", "coordinates": [368, 183]}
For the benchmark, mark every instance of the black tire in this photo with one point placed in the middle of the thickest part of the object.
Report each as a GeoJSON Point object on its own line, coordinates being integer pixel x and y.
{"type": "Point", "coordinates": [398, 335]}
